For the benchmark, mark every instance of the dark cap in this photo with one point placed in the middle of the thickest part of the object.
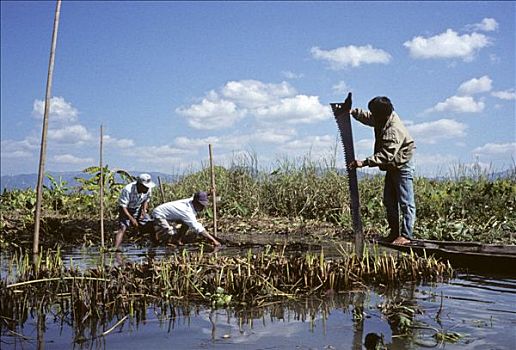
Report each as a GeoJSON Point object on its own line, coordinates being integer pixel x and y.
{"type": "Point", "coordinates": [380, 106]}
{"type": "Point", "coordinates": [201, 198]}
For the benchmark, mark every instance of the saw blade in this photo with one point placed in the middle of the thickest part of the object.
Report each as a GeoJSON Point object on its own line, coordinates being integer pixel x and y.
{"type": "Point", "coordinates": [343, 120]}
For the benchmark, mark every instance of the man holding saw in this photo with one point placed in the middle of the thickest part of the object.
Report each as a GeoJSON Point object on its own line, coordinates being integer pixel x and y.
{"type": "Point", "coordinates": [393, 153]}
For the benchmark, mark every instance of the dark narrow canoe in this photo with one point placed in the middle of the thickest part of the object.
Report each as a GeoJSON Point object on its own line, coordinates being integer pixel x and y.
{"type": "Point", "coordinates": [471, 256]}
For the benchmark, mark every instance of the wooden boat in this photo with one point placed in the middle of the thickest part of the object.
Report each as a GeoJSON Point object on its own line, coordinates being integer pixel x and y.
{"type": "Point", "coordinates": [471, 256]}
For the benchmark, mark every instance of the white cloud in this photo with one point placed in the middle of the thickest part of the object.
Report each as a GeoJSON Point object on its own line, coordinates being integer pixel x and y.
{"type": "Point", "coordinates": [266, 102]}
{"type": "Point", "coordinates": [230, 147]}
{"type": "Point", "coordinates": [494, 58]}
{"type": "Point", "coordinates": [60, 110]}
{"type": "Point", "coordinates": [232, 142]}
{"type": "Point", "coordinates": [505, 95]}
{"type": "Point", "coordinates": [353, 56]}
{"type": "Point", "coordinates": [19, 149]}
{"type": "Point", "coordinates": [491, 149]}
{"type": "Point", "coordinates": [431, 132]}
{"type": "Point", "coordinates": [475, 86]}
{"type": "Point", "coordinates": [210, 115]}
{"type": "Point", "coordinates": [316, 146]}
{"type": "Point", "coordinates": [458, 104]}
{"type": "Point", "coordinates": [63, 131]}
{"type": "Point", "coordinates": [17, 154]}
{"type": "Point", "coordinates": [163, 157]}
{"type": "Point", "coordinates": [364, 145]}
{"type": "Point", "coordinates": [275, 136]}
{"type": "Point", "coordinates": [435, 164]}
{"type": "Point", "coordinates": [291, 75]}
{"type": "Point", "coordinates": [119, 143]}
{"type": "Point", "coordinates": [70, 159]}
{"type": "Point", "coordinates": [192, 143]}
{"type": "Point", "coordinates": [486, 25]}
{"type": "Point", "coordinates": [340, 88]}
{"type": "Point", "coordinates": [63, 119]}
{"type": "Point", "coordinates": [254, 93]}
{"type": "Point", "coordinates": [164, 151]}
{"type": "Point", "coordinates": [169, 164]}
{"type": "Point", "coordinates": [447, 45]}
{"type": "Point", "coordinates": [298, 109]}
{"type": "Point", "coordinates": [74, 134]}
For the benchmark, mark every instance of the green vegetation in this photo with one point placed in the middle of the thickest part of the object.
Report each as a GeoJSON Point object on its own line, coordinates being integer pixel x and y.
{"type": "Point", "coordinates": [251, 279]}
{"type": "Point", "coordinates": [90, 300]}
{"type": "Point", "coordinates": [465, 208]}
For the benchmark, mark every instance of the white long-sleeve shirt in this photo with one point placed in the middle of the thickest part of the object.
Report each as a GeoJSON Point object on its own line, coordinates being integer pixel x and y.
{"type": "Point", "coordinates": [180, 210]}
{"type": "Point", "coordinates": [131, 199]}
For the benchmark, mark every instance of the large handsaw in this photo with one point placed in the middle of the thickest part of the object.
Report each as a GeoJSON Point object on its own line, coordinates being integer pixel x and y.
{"type": "Point", "coordinates": [341, 113]}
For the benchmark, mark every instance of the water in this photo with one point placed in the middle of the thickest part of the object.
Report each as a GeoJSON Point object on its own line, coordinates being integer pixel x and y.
{"type": "Point", "coordinates": [479, 308]}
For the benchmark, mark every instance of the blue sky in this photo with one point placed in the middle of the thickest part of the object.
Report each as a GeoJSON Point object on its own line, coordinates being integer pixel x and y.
{"type": "Point", "coordinates": [254, 78]}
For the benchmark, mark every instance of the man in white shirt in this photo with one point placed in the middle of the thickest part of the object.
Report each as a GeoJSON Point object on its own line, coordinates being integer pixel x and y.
{"type": "Point", "coordinates": [133, 203]}
{"type": "Point", "coordinates": [182, 211]}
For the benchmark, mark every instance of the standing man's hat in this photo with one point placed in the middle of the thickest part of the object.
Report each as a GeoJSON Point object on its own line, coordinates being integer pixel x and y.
{"type": "Point", "coordinates": [201, 198]}
{"type": "Point", "coordinates": [145, 180]}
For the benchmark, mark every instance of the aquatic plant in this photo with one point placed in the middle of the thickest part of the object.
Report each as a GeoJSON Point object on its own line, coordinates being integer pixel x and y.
{"type": "Point", "coordinates": [212, 279]}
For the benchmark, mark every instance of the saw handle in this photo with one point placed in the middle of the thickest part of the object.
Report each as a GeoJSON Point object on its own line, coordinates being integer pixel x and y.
{"type": "Point", "coordinates": [340, 109]}
{"type": "Point", "coordinates": [347, 103]}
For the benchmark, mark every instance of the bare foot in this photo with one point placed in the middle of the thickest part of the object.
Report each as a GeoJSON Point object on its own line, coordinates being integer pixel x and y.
{"type": "Point", "coordinates": [401, 241]}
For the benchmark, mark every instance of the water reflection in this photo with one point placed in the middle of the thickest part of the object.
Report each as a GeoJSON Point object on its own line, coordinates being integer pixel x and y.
{"type": "Point", "coordinates": [479, 308]}
{"type": "Point", "coordinates": [341, 321]}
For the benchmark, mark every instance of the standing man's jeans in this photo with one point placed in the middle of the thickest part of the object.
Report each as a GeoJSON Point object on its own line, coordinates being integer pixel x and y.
{"type": "Point", "coordinates": [398, 194]}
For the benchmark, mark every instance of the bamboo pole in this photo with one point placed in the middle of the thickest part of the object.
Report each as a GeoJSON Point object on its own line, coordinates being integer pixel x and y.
{"type": "Point", "coordinates": [213, 192]}
{"type": "Point", "coordinates": [161, 191]}
{"type": "Point", "coordinates": [101, 187]}
{"type": "Point", "coordinates": [43, 149]}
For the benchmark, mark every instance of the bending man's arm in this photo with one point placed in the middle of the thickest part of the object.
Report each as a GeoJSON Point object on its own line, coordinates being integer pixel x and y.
{"type": "Point", "coordinates": [195, 225]}
{"type": "Point", "coordinates": [211, 238]}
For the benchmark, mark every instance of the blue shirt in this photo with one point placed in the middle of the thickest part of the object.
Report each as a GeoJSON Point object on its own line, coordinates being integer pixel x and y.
{"type": "Point", "coordinates": [131, 199]}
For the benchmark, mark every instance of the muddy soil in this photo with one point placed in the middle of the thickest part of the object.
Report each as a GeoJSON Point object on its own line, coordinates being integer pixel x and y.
{"type": "Point", "coordinates": [241, 232]}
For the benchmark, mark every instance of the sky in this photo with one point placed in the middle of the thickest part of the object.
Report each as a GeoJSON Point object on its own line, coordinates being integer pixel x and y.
{"type": "Point", "coordinates": [254, 80]}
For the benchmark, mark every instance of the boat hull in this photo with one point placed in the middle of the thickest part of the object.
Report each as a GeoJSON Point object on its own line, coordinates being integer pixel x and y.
{"type": "Point", "coordinates": [470, 256]}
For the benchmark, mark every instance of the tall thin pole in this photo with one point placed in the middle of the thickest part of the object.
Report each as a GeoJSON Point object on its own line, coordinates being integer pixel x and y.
{"type": "Point", "coordinates": [101, 187]}
{"type": "Point", "coordinates": [43, 149]}
{"type": "Point", "coordinates": [161, 191]}
{"type": "Point", "coordinates": [213, 192]}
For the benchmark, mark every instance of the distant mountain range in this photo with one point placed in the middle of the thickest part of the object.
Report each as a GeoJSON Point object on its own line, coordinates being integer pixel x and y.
{"type": "Point", "coordinates": [24, 181]}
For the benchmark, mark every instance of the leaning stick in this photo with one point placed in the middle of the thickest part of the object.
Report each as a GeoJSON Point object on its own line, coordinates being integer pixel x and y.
{"type": "Point", "coordinates": [213, 193]}
{"type": "Point", "coordinates": [101, 188]}
{"type": "Point", "coordinates": [43, 149]}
